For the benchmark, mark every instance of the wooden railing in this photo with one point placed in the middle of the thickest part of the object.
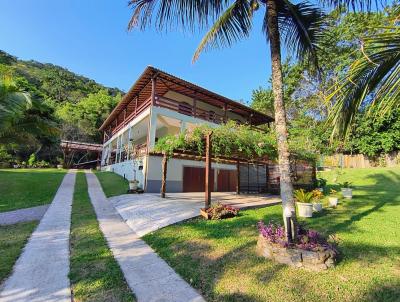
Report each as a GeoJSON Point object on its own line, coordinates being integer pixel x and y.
{"type": "Point", "coordinates": [190, 110]}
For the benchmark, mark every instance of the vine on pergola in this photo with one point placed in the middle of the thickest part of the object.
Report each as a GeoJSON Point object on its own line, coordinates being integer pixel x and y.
{"type": "Point", "coordinates": [228, 140]}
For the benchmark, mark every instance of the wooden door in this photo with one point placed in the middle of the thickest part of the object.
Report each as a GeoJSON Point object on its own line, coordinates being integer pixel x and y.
{"type": "Point", "coordinates": [194, 179]}
{"type": "Point", "coordinates": [226, 180]}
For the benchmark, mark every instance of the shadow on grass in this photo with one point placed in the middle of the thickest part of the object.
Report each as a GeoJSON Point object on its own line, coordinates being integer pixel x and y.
{"type": "Point", "coordinates": [211, 252]}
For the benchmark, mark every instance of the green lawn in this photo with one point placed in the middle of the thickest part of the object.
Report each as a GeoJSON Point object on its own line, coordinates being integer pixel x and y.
{"type": "Point", "coordinates": [112, 183]}
{"type": "Point", "coordinates": [24, 188]}
{"type": "Point", "coordinates": [218, 257]}
{"type": "Point", "coordinates": [12, 239]}
{"type": "Point", "coordinates": [94, 273]}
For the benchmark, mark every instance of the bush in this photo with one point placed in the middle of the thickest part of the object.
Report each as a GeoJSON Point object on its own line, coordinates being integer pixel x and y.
{"type": "Point", "coordinates": [219, 211]}
{"type": "Point", "coordinates": [309, 240]}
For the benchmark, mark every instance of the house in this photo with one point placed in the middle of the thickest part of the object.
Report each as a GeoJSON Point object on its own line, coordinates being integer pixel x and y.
{"type": "Point", "coordinates": [159, 104]}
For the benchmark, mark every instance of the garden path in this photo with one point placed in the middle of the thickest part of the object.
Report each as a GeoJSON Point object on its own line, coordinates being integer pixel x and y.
{"type": "Point", "coordinates": [148, 276]}
{"type": "Point", "coordinates": [41, 272]}
{"type": "Point", "coordinates": [23, 215]}
{"type": "Point", "coordinates": [148, 212]}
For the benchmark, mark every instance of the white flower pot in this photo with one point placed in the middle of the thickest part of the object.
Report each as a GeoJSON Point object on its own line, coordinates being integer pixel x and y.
{"type": "Point", "coordinates": [133, 185]}
{"type": "Point", "coordinates": [347, 193]}
{"type": "Point", "coordinates": [305, 209]}
{"type": "Point", "coordinates": [59, 166]}
{"type": "Point", "coordinates": [321, 189]}
{"type": "Point", "coordinates": [333, 201]}
{"type": "Point", "coordinates": [317, 206]}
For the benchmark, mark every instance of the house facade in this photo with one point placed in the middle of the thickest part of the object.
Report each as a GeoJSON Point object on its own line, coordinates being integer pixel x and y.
{"type": "Point", "coordinates": [159, 104]}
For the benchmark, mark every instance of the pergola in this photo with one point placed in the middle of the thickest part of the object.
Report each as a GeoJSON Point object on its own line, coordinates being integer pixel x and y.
{"type": "Point", "coordinates": [71, 147]}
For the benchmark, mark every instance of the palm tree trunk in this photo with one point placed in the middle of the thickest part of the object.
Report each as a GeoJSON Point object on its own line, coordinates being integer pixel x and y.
{"type": "Point", "coordinates": [280, 113]}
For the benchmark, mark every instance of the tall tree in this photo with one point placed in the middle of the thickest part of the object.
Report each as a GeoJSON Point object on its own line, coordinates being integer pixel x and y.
{"type": "Point", "coordinates": [372, 79]}
{"type": "Point", "coordinates": [298, 25]}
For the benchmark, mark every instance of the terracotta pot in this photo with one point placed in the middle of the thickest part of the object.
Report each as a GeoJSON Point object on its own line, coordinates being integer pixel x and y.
{"type": "Point", "coordinates": [305, 209]}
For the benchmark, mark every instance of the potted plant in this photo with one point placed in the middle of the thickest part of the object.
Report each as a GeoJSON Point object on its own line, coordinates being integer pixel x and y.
{"type": "Point", "coordinates": [133, 184]}
{"type": "Point", "coordinates": [333, 198]}
{"type": "Point", "coordinates": [304, 205]}
{"type": "Point", "coordinates": [317, 205]}
{"type": "Point", "coordinates": [321, 184]}
{"type": "Point", "coordinates": [347, 191]}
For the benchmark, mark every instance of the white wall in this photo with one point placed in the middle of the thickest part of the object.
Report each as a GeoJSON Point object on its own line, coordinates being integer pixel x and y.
{"type": "Point", "coordinates": [126, 169]}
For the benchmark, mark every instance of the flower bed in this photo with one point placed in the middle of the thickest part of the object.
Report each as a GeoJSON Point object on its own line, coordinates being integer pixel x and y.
{"type": "Point", "coordinates": [219, 211]}
{"type": "Point", "coordinates": [311, 251]}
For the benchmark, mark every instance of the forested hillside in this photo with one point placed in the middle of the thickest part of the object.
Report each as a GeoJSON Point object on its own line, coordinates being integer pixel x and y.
{"type": "Point", "coordinates": [61, 105]}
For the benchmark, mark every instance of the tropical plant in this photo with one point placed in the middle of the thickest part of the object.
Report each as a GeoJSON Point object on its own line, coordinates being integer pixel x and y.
{"type": "Point", "coordinates": [345, 185]}
{"type": "Point", "coordinates": [372, 79]}
{"type": "Point", "coordinates": [333, 193]}
{"type": "Point", "coordinates": [303, 196]}
{"type": "Point", "coordinates": [317, 195]}
{"type": "Point", "coordinates": [321, 182]}
{"type": "Point", "coordinates": [13, 103]}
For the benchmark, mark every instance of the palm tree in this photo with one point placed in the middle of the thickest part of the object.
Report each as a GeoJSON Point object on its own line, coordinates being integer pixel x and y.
{"type": "Point", "coordinates": [13, 103]}
{"type": "Point", "coordinates": [297, 25]}
{"type": "Point", "coordinates": [373, 79]}
{"type": "Point", "coordinates": [22, 119]}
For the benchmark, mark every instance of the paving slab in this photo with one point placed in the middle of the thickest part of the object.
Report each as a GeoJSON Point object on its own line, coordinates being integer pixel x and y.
{"type": "Point", "coordinates": [23, 215]}
{"type": "Point", "coordinates": [148, 276]}
{"type": "Point", "coordinates": [148, 212]}
{"type": "Point", "coordinates": [41, 272]}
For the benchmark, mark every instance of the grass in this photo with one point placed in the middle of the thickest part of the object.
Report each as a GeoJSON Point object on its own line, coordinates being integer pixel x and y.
{"type": "Point", "coordinates": [112, 183]}
{"type": "Point", "coordinates": [12, 239]}
{"type": "Point", "coordinates": [24, 188]}
{"type": "Point", "coordinates": [218, 257]}
{"type": "Point", "coordinates": [94, 273]}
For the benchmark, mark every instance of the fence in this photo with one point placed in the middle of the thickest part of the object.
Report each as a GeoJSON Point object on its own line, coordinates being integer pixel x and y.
{"type": "Point", "coordinates": [391, 159]}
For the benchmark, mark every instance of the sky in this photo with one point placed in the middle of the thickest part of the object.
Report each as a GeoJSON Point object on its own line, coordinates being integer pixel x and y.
{"type": "Point", "coordinates": [90, 38]}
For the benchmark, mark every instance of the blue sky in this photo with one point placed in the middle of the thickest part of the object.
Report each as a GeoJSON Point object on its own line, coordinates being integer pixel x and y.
{"type": "Point", "coordinates": [89, 37]}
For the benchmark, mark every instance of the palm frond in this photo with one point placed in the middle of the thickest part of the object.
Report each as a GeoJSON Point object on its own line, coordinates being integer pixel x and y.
{"type": "Point", "coordinates": [373, 79]}
{"type": "Point", "coordinates": [170, 13]}
{"type": "Point", "coordinates": [301, 26]}
{"type": "Point", "coordinates": [234, 24]}
{"type": "Point", "coordinates": [13, 103]}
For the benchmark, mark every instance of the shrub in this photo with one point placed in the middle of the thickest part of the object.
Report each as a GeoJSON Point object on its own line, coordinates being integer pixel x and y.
{"type": "Point", "coordinates": [219, 210]}
{"type": "Point", "coordinates": [306, 239]}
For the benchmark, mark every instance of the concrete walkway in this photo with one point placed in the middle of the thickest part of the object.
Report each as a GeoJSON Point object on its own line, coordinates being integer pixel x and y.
{"type": "Point", "coordinates": [148, 276]}
{"type": "Point", "coordinates": [145, 213]}
{"type": "Point", "coordinates": [23, 215]}
{"type": "Point", "coordinates": [41, 272]}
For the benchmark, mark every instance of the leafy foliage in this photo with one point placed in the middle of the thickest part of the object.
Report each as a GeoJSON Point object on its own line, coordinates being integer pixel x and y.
{"type": "Point", "coordinates": [230, 139]}
{"type": "Point", "coordinates": [303, 196]}
{"type": "Point", "coordinates": [41, 103]}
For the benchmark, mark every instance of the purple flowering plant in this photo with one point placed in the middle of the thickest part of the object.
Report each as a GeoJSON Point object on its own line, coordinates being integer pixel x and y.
{"type": "Point", "coordinates": [306, 239]}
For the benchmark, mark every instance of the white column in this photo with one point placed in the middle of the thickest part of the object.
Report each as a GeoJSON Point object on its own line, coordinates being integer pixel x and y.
{"type": "Point", "coordinates": [129, 143]}
{"type": "Point", "coordinates": [183, 126]}
{"type": "Point", "coordinates": [152, 128]}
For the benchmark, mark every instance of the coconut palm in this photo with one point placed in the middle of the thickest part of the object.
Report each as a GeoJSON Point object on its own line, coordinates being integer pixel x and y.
{"type": "Point", "coordinates": [13, 103]}
{"type": "Point", "coordinates": [22, 119]}
{"type": "Point", "coordinates": [297, 25]}
{"type": "Point", "coordinates": [373, 79]}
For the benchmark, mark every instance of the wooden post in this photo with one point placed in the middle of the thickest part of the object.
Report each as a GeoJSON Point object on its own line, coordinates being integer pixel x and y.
{"type": "Point", "coordinates": [238, 177]}
{"type": "Point", "coordinates": [153, 91]}
{"type": "Point", "coordinates": [208, 183]}
{"type": "Point", "coordinates": [164, 175]}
